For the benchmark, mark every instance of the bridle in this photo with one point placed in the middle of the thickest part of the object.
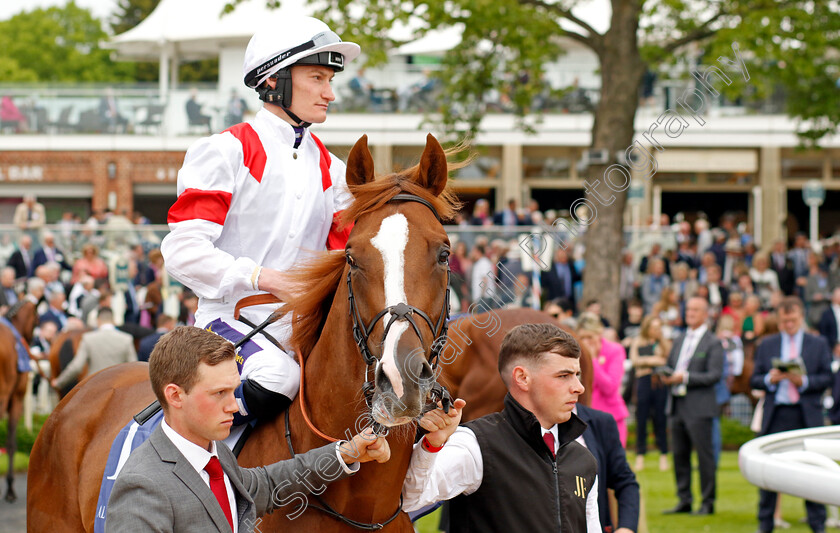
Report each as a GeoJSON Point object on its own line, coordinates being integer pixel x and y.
{"type": "Point", "coordinates": [401, 312]}
{"type": "Point", "coordinates": [361, 334]}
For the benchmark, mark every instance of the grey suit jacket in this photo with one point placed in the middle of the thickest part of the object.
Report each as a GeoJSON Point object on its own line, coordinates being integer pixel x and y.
{"type": "Point", "coordinates": [99, 349]}
{"type": "Point", "coordinates": [158, 490]}
{"type": "Point", "coordinates": [704, 371]}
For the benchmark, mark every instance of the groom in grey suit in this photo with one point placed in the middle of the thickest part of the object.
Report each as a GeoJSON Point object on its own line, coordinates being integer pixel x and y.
{"type": "Point", "coordinates": [697, 360]}
{"type": "Point", "coordinates": [182, 480]}
{"type": "Point", "coordinates": [106, 346]}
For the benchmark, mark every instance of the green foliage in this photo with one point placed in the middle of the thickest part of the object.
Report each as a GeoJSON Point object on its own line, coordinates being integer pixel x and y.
{"type": "Point", "coordinates": [58, 44]}
{"type": "Point", "coordinates": [129, 13]}
{"type": "Point", "coordinates": [25, 438]}
{"type": "Point", "coordinates": [11, 71]}
{"type": "Point", "coordinates": [21, 463]}
{"type": "Point", "coordinates": [791, 46]}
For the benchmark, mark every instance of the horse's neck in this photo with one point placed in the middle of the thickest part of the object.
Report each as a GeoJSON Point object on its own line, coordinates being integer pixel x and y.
{"type": "Point", "coordinates": [335, 373]}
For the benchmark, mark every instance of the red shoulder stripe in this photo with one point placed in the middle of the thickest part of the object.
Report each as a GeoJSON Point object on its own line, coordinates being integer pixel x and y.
{"type": "Point", "coordinates": [324, 162]}
{"type": "Point", "coordinates": [198, 204]}
{"type": "Point", "coordinates": [252, 149]}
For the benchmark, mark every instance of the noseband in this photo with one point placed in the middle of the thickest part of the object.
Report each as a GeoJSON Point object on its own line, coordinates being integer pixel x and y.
{"type": "Point", "coordinates": [402, 312]}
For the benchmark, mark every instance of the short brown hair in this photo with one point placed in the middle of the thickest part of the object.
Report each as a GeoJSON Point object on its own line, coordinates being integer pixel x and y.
{"type": "Point", "coordinates": [177, 354]}
{"type": "Point", "coordinates": [789, 303]}
{"type": "Point", "coordinates": [528, 342]}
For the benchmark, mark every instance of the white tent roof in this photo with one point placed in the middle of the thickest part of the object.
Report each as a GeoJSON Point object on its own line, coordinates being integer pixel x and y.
{"type": "Point", "coordinates": [197, 29]}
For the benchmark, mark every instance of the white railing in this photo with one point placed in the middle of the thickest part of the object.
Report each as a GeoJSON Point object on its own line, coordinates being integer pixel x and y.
{"type": "Point", "coordinates": [801, 463]}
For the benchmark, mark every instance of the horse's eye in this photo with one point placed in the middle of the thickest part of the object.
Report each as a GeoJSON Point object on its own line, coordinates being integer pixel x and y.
{"type": "Point", "coordinates": [443, 257]}
{"type": "Point", "coordinates": [350, 260]}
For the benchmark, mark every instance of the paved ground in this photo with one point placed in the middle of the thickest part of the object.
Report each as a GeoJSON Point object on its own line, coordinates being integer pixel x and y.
{"type": "Point", "coordinates": [13, 515]}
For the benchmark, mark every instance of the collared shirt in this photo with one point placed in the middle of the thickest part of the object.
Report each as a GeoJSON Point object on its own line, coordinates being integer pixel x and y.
{"type": "Point", "coordinates": [579, 440]}
{"type": "Point", "coordinates": [689, 346]}
{"type": "Point", "coordinates": [459, 469]}
{"type": "Point", "coordinates": [782, 389]}
{"type": "Point", "coordinates": [198, 458]}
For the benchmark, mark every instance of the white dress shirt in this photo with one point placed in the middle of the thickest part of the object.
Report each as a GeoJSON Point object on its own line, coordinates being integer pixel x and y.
{"type": "Point", "coordinates": [198, 458]}
{"type": "Point", "coordinates": [459, 469]}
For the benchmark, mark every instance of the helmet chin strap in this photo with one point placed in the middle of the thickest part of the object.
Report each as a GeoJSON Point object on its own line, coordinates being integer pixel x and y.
{"type": "Point", "coordinates": [300, 122]}
{"type": "Point", "coordinates": [281, 95]}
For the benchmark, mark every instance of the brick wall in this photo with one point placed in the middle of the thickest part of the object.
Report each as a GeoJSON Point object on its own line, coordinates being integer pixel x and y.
{"type": "Point", "coordinates": [92, 167]}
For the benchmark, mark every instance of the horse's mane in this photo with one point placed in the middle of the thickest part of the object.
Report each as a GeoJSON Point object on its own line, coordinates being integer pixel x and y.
{"type": "Point", "coordinates": [321, 275]}
{"type": "Point", "coordinates": [13, 310]}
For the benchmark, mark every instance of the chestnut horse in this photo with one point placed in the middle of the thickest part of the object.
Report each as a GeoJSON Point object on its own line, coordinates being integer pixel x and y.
{"type": "Point", "coordinates": [470, 358]}
{"type": "Point", "coordinates": [24, 318]}
{"type": "Point", "coordinates": [397, 248]}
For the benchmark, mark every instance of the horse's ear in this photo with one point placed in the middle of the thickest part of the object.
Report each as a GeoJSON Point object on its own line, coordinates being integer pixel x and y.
{"type": "Point", "coordinates": [433, 167]}
{"type": "Point", "coordinates": [360, 163]}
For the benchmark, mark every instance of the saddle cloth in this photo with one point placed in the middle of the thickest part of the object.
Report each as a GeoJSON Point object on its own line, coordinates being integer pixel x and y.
{"type": "Point", "coordinates": [24, 364]}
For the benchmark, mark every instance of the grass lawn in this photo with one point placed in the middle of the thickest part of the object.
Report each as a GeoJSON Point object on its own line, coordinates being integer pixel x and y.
{"type": "Point", "coordinates": [21, 462]}
{"type": "Point", "coordinates": [735, 509]}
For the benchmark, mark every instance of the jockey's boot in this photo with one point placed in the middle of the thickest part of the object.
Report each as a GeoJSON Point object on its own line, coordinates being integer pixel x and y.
{"type": "Point", "coordinates": [257, 403]}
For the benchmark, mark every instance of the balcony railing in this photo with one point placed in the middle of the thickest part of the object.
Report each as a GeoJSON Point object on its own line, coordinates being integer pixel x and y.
{"type": "Point", "coordinates": [137, 109]}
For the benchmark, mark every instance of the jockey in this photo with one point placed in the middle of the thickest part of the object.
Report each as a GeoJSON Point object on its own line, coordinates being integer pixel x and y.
{"type": "Point", "coordinates": [254, 200]}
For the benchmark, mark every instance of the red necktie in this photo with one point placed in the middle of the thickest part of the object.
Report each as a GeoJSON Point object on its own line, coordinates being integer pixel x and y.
{"type": "Point", "coordinates": [793, 392]}
{"type": "Point", "coordinates": [217, 485]}
{"type": "Point", "coordinates": [549, 441]}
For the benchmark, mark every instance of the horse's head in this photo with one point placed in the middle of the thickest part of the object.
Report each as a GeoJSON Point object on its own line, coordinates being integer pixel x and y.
{"type": "Point", "coordinates": [398, 272]}
{"type": "Point", "coordinates": [24, 316]}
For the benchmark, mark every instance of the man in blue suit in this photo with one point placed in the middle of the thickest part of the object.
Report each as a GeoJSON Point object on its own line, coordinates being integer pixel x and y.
{"type": "Point", "coordinates": [793, 398]}
{"type": "Point", "coordinates": [48, 253]}
{"type": "Point", "coordinates": [601, 438]}
{"type": "Point", "coordinates": [830, 321]}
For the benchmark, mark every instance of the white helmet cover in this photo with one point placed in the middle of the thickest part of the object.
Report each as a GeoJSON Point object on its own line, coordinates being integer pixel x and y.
{"type": "Point", "coordinates": [296, 38]}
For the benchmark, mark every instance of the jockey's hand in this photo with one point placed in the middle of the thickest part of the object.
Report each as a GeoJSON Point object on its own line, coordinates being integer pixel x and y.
{"type": "Point", "coordinates": [441, 425]}
{"type": "Point", "coordinates": [365, 446]}
{"type": "Point", "coordinates": [277, 283]}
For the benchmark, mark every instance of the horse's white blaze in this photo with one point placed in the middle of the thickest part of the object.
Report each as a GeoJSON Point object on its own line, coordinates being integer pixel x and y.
{"type": "Point", "coordinates": [391, 241]}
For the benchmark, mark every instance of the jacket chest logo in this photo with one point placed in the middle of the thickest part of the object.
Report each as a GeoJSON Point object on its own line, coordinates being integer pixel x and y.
{"type": "Point", "coordinates": [580, 490]}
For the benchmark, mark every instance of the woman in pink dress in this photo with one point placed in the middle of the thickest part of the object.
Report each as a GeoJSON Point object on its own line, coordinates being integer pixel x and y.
{"type": "Point", "coordinates": [607, 370]}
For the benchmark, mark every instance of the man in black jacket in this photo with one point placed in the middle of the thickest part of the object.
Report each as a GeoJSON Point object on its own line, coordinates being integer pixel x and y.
{"type": "Point", "coordinates": [526, 456]}
{"type": "Point", "coordinates": [601, 439]}
{"type": "Point", "coordinates": [559, 280]}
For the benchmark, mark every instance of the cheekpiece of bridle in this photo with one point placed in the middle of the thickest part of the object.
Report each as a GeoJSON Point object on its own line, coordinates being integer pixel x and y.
{"type": "Point", "coordinates": [402, 312]}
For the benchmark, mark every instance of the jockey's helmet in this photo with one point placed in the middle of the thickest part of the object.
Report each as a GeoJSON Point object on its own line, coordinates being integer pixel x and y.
{"type": "Point", "coordinates": [297, 41]}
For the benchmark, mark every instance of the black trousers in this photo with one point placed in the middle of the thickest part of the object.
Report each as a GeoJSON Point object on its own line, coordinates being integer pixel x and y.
{"type": "Point", "coordinates": [787, 418]}
{"type": "Point", "coordinates": [650, 404]}
{"type": "Point", "coordinates": [687, 433]}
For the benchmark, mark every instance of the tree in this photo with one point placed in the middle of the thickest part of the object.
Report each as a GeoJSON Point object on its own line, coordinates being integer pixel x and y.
{"type": "Point", "coordinates": [57, 44]}
{"type": "Point", "coordinates": [507, 43]}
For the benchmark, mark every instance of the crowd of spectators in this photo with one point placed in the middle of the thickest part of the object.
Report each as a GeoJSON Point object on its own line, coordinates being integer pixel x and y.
{"type": "Point", "coordinates": [79, 268]}
{"type": "Point", "coordinates": [746, 290]}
